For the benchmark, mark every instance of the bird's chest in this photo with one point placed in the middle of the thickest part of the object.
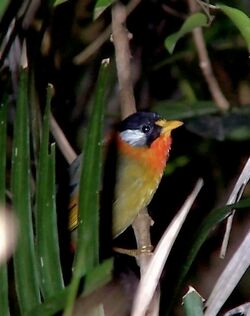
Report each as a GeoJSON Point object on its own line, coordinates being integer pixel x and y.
{"type": "Point", "coordinates": [139, 174]}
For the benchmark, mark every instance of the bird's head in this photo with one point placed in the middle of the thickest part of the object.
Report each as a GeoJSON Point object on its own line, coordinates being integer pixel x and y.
{"type": "Point", "coordinates": [141, 129]}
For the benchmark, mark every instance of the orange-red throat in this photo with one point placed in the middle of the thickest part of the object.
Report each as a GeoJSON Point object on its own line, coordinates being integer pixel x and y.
{"type": "Point", "coordinates": [155, 155]}
{"type": "Point", "coordinates": [153, 158]}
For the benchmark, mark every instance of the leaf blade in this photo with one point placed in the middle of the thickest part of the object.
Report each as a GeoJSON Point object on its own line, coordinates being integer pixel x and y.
{"type": "Point", "coordinates": [87, 253]}
{"type": "Point", "coordinates": [51, 279]}
{"type": "Point", "coordinates": [241, 21]}
{"type": "Point", "coordinates": [25, 269]}
{"type": "Point", "coordinates": [197, 19]}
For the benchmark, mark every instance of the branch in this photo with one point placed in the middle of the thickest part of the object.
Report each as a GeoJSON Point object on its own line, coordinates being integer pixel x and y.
{"type": "Point", "coordinates": [61, 140]}
{"type": "Point", "coordinates": [120, 38]}
{"type": "Point", "coordinates": [205, 65]}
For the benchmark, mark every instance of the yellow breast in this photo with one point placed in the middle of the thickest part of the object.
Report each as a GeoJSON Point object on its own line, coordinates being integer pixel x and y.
{"type": "Point", "coordinates": [139, 173]}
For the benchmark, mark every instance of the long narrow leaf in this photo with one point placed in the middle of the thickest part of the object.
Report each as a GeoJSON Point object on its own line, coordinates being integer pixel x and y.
{"type": "Point", "coordinates": [87, 253]}
{"type": "Point", "coordinates": [51, 279]}
{"type": "Point", "coordinates": [4, 303]}
{"type": "Point", "coordinates": [26, 276]}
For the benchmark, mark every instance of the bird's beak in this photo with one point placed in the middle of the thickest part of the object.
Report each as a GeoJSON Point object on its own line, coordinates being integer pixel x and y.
{"type": "Point", "coordinates": [168, 126]}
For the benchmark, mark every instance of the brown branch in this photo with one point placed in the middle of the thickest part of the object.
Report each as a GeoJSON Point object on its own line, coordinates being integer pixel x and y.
{"type": "Point", "coordinates": [61, 141]}
{"type": "Point", "coordinates": [120, 37]}
{"type": "Point", "coordinates": [92, 48]}
{"type": "Point", "coordinates": [206, 66]}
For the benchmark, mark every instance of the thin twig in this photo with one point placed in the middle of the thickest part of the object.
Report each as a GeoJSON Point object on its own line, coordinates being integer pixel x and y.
{"type": "Point", "coordinates": [207, 5]}
{"type": "Point", "coordinates": [173, 12]}
{"type": "Point", "coordinates": [92, 48]}
{"type": "Point", "coordinates": [205, 64]}
{"type": "Point", "coordinates": [61, 140]}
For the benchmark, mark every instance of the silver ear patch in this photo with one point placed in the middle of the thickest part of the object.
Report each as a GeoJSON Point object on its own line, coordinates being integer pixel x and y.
{"type": "Point", "coordinates": [134, 137]}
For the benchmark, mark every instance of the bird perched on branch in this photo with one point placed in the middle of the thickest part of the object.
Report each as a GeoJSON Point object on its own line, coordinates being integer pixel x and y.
{"type": "Point", "coordinates": [143, 143]}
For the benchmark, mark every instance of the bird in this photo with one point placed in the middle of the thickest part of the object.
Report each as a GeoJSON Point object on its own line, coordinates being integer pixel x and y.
{"type": "Point", "coordinates": [143, 142]}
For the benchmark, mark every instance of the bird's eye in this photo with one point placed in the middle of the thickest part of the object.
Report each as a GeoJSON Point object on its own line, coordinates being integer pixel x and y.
{"type": "Point", "coordinates": [146, 128]}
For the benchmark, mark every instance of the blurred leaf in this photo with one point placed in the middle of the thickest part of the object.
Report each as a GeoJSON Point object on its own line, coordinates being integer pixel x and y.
{"type": "Point", "coordinates": [4, 302]}
{"type": "Point", "coordinates": [207, 121]}
{"type": "Point", "coordinates": [95, 279]}
{"type": "Point", "coordinates": [192, 302]}
{"type": "Point", "coordinates": [176, 163]}
{"type": "Point", "coordinates": [183, 110]}
{"type": "Point", "coordinates": [103, 3]}
{"type": "Point", "coordinates": [3, 5]}
{"type": "Point", "coordinates": [25, 268]}
{"type": "Point", "coordinates": [46, 219]}
{"type": "Point", "coordinates": [51, 305]}
{"type": "Point", "coordinates": [241, 21]}
{"type": "Point", "coordinates": [58, 2]}
{"type": "Point", "coordinates": [87, 251]}
{"type": "Point", "coordinates": [195, 20]}
{"type": "Point", "coordinates": [234, 125]}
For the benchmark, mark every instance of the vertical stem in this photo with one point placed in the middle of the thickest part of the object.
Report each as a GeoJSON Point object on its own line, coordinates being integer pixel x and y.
{"type": "Point", "coordinates": [205, 64]}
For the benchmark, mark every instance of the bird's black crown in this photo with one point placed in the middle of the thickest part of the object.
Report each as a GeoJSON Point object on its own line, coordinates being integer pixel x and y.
{"type": "Point", "coordinates": [142, 123]}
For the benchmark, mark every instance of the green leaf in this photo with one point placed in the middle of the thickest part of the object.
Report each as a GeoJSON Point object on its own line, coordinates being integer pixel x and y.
{"type": "Point", "coordinates": [103, 3]}
{"type": "Point", "coordinates": [35, 118]}
{"type": "Point", "coordinates": [59, 2]}
{"type": "Point", "coordinates": [25, 268]}
{"type": "Point", "coordinates": [183, 110]}
{"type": "Point", "coordinates": [241, 21]}
{"type": "Point", "coordinates": [3, 6]}
{"type": "Point", "coordinates": [48, 257]}
{"type": "Point", "coordinates": [4, 302]}
{"type": "Point", "coordinates": [195, 20]}
{"type": "Point", "coordinates": [87, 253]}
{"type": "Point", "coordinates": [95, 279]}
{"type": "Point", "coordinates": [193, 305]}
{"type": "Point", "coordinates": [98, 277]}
